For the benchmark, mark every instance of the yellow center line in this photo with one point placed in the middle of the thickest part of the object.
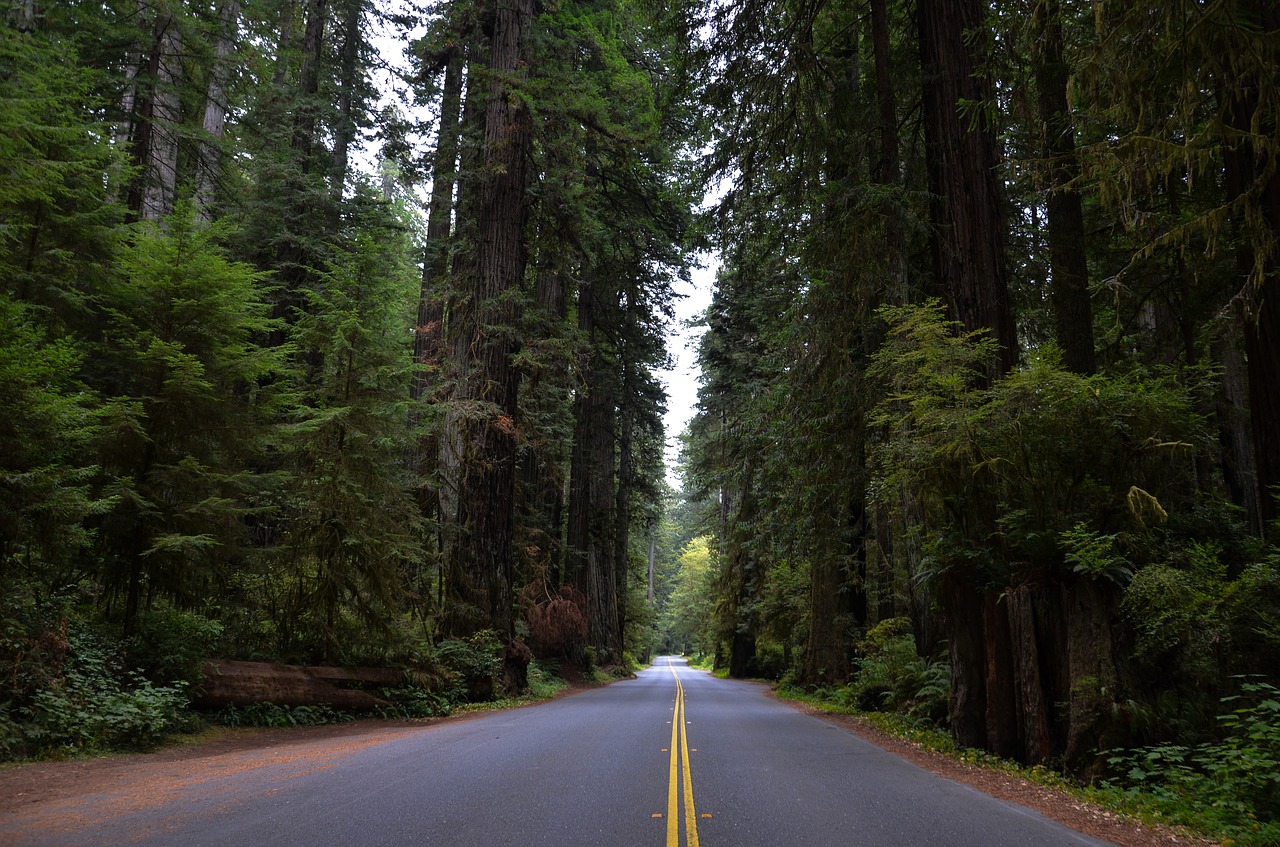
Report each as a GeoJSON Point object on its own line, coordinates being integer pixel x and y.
{"type": "Point", "coordinates": [680, 766]}
{"type": "Point", "coordinates": [673, 791]}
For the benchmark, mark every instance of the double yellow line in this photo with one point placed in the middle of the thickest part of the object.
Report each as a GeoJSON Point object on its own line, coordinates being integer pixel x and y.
{"type": "Point", "coordinates": [679, 766]}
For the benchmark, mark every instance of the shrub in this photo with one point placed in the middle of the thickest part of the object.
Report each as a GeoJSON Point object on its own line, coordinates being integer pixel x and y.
{"type": "Point", "coordinates": [172, 646]}
{"type": "Point", "coordinates": [95, 704]}
{"type": "Point", "coordinates": [476, 665]}
{"type": "Point", "coordinates": [276, 716]}
{"type": "Point", "coordinates": [892, 677]}
{"type": "Point", "coordinates": [1232, 784]}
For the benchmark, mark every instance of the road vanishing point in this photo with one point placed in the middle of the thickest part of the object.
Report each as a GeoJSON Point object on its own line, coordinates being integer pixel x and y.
{"type": "Point", "coordinates": [672, 758]}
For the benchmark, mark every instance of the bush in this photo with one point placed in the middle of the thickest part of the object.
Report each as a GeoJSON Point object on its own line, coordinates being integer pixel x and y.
{"type": "Point", "coordinates": [476, 665]}
{"type": "Point", "coordinates": [94, 705]}
{"type": "Point", "coordinates": [276, 716]}
{"type": "Point", "coordinates": [172, 646]}
{"type": "Point", "coordinates": [1232, 784]}
{"type": "Point", "coordinates": [892, 677]}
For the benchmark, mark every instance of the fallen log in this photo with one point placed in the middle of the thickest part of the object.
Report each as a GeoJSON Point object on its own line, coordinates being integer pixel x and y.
{"type": "Point", "coordinates": [233, 682]}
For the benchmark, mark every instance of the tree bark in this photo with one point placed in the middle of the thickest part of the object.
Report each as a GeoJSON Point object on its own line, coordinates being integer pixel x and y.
{"type": "Point", "coordinates": [1069, 291]}
{"type": "Point", "coordinates": [1088, 607]}
{"type": "Point", "coordinates": [160, 180]}
{"type": "Point", "coordinates": [967, 207]}
{"type": "Point", "coordinates": [348, 79]}
{"type": "Point", "coordinates": [305, 106]}
{"type": "Point", "coordinates": [155, 124]}
{"type": "Point", "coordinates": [1239, 467]}
{"type": "Point", "coordinates": [967, 214]}
{"type": "Point", "coordinates": [1251, 171]}
{"type": "Point", "coordinates": [428, 340]}
{"type": "Point", "coordinates": [493, 325]}
{"type": "Point", "coordinates": [208, 165]}
{"type": "Point", "coordinates": [1035, 741]}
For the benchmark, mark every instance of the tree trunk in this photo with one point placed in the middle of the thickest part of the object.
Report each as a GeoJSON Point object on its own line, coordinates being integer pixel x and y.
{"type": "Point", "coordinates": [462, 618]}
{"type": "Point", "coordinates": [348, 80]}
{"type": "Point", "coordinates": [305, 106]}
{"type": "Point", "coordinates": [970, 273]}
{"type": "Point", "coordinates": [826, 655]}
{"type": "Point", "coordinates": [602, 566]}
{"type": "Point", "coordinates": [1001, 698]}
{"type": "Point", "coordinates": [154, 126]}
{"type": "Point", "coordinates": [967, 207]}
{"type": "Point", "coordinates": [493, 325]}
{"type": "Point", "coordinates": [428, 340]}
{"type": "Point", "coordinates": [1239, 467]}
{"type": "Point", "coordinates": [1069, 292]}
{"type": "Point", "coordinates": [160, 179]}
{"type": "Point", "coordinates": [964, 624]}
{"type": "Point", "coordinates": [215, 111]}
{"type": "Point", "coordinates": [1035, 741]}
{"type": "Point", "coordinates": [1250, 170]}
{"type": "Point", "coordinates": [1088, 607]}
{"type": "Point", "coordinates": [622, 510]}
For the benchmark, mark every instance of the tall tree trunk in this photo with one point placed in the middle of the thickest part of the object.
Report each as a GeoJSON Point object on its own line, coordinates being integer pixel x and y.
{"type": "Point", "coordinates": [541, 472]}
{"type": "Point", "coordinates": [578, 530]}
{"type": "Point", "coordinates": [967, 209]}
{"type": "Point", "coordinates": [306, 108]}
{"type": "Point", "coordinates": [493, 324]}
{"type": "Point", "coordinates": [429, 333]}
{"type": "Point", "coordinates": [1239, 467]}
{"type": "Point", "coordinates": [1251, 170]}
{"type": "Point", "coordinates": [155, 123]}
{"type": "Point", "coordinates": [1024, 607]}
{"type": "Point", "coordinates": [348, 80]}
{"type": "Point", "coordinates": [1073, 313]}
{"type": "Point", "coordinates": [462, 618]}
{"type": "Point", "coordinates": [160, 179]}
{"type": "Point", "coordinates": [971, 274]}
{"type": "Point", "coordinates": [208, 162]}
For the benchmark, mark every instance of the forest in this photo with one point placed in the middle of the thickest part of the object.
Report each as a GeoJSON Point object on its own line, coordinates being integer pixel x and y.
{"type": "Point", "coordinates": [315, 356]}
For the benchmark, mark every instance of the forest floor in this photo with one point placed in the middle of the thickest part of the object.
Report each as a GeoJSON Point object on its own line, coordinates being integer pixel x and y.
{"type": "Point", "coordinates": [35, 789]}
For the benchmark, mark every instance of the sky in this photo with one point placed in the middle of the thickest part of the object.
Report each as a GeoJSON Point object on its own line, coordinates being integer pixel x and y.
{"type": "Point", "coordinates": [681, 380]}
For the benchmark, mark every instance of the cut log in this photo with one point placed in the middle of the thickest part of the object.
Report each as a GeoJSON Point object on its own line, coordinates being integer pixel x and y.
{"type": "Point", "coordinates": [229, 682]}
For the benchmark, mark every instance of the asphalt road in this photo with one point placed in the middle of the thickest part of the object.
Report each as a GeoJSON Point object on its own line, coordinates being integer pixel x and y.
{"type": "Point", "coordinates": [622, 766]}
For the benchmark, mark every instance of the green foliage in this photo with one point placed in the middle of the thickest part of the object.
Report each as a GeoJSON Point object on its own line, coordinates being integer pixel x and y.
{"type": "Point", "coordinates": [689, 613]}
{"type": "Point", "coordinates": [48, 420]}
{"type": "Point", "coordinates": [277, 716]}
{"type": "Point", "coordinates": [58, 230]}
{"type": "Point", "coordinates": [1093, 554]}
{"type": "Point", "coordinates": [1231, 786]}
{"type": "Point", "coordinates": [476, 663]}
{"type": "Point", "coordinates": [93, 704]}
{"type": "Point", "coordinates": [353, 526]}
{"type": "Point", "coordinates": [1043, 466]}
{"type": "Point", "coordinates": [182, 353]}
{"type": "Point", "coordinates": [892, 677]}
{"type": "Point", "coordinates": [171, 646]}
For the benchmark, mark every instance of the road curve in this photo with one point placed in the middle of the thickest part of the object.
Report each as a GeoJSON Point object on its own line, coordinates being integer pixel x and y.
{"type": "Point", "coordinates": [673, 758]}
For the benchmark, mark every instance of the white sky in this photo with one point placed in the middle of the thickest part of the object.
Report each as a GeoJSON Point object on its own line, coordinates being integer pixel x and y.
{"type": "Point", "coordinates": [682, 342]}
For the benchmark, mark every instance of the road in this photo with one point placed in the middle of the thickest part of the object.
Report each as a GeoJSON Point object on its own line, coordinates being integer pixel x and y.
{"type": "Point", "coordinates": [674, 758]}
